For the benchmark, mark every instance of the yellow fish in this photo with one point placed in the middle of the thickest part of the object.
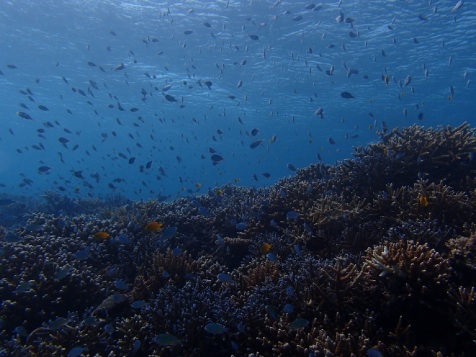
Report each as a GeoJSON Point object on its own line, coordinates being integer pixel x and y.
{"type": "Point", "coordinates": [153, 227]}
{"type": "Point", "coordinates": [265, 248]}
{"type": "Point", "coordinates": [423, 201]}
{"type": "Point", "coordinates": [100, 236]}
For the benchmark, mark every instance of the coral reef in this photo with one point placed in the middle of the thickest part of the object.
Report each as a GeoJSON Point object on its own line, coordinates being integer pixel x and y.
{"type": "Point", "coordinates": [371, 256]}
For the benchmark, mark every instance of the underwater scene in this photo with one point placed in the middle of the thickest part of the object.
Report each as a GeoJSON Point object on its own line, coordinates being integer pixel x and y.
{"type": "Point", "coordinates": [237, 178]}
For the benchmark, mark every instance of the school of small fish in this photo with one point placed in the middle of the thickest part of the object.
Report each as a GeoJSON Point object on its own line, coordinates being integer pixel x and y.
{"type": "Point", "coordinates": [176, 99]}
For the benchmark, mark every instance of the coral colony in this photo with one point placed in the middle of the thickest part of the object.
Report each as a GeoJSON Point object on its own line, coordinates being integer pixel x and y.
{"type": "Point", "coordinates": [374, 256]}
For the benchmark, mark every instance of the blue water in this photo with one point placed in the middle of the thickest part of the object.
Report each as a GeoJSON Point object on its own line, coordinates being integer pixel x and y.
{"type": "Point", "coordinates": [283, 83]}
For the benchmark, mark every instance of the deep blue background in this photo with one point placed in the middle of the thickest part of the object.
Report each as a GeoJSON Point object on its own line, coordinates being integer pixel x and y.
{"type": "Point", "coordinates": [281, 89]}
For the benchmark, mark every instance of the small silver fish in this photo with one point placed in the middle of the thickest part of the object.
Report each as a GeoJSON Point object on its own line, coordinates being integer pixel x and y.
{"type": "Point", "coordinates": [119, 67]}
{"type": "Point", "coordinates": [340, 18]}
{"type": "Point", "coordinates": [458, 6]}
{"type": "Point", "coordinates": [319, 113]}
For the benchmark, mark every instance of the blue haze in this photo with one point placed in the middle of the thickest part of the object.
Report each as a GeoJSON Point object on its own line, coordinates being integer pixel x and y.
{"type": "Point", "coordinates": [282, 87]}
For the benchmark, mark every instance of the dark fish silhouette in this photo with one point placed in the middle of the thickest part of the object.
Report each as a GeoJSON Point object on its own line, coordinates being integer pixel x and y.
{"type": "Point", "coordinates": [216, 158]}
{"type": "Point", "coordinates": [291, 167]}
{"type": "Point", "coordinates": [44, 169]}
{"type": "Point", "coordinates": [170, 98]}
{"type": "Point", "coordinates": [346, 95]}
{"type": "Point", "coordinates": [255, 144]}
{"type": "Point", "coordinates": [24, 115]}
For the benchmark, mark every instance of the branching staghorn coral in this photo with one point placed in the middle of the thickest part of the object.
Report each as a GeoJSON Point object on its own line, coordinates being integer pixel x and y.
{"type": "Point", "coordinates": [257, 272]}
{"type": "Point", "coordinates": [417, 151]}
{"type": "Point", "coordinates": [335, 209]}
{"type": "Point", "coordinates": [407, 260]}
{"type": "Point", "coordinates": [410, 280]}
{"type": "Point", "coordinates": [463, 251]}
{"type": "Point", "coordinates": [440, 146]}
{"type": "Point", "coordinates": [235, 249]}
{"type": "Point", "coordinates": [464, 301]}
{"type": "Point", "coordinates": [162, 268]}
{"type": "Point", "coordinates": [424, 201]}
{"type": "Point", "coordinates": [370, 257]}
{"type": "Point", "coordinates": [335, 283]}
